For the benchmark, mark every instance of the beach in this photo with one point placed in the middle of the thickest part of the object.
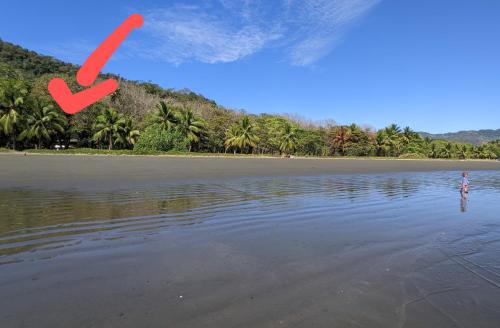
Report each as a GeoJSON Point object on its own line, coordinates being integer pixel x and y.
{"type": "Point", "coordinates": [144, 241]}
{"type": "Point", "coordinates": [97, 171]}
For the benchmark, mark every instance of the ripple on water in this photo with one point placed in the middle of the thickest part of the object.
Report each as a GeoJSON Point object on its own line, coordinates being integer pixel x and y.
{"type": "Point", "coordinates": [40, 219]}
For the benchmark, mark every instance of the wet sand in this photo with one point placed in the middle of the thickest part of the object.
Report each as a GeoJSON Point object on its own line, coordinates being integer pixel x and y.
{"type": "Point", "coordinates": [206, 242]}
{"type": "Point", "coordinates": [91, 171]}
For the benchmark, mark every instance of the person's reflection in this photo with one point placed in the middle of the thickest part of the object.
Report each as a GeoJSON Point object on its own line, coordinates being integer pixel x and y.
{"type": "Point", "coordinates": [464, 200]}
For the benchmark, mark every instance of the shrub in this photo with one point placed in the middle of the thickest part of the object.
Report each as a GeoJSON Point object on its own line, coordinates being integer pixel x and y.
{"type": "Point", "coordinates": [157, 139]}
{"type": "Point", "coordinates": [359, 149]}
{"type": "Point", "coordinates": [413, 156]}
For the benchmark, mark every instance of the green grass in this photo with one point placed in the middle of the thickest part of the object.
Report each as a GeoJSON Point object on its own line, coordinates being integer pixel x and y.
{"type": "Point", "coordinates": [118, 152]}
{"type": "Point", "coordinates": [92, 151]}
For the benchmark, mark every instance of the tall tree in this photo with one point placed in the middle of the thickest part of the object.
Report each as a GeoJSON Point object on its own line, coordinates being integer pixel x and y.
{"type": "Point", "coordinates": [165, 116]}
{"type": "Point", "coordinates": [232, 135]}
{"type": "Point", "coordinates": [42, 123]}
{"type": "Point", "coordinates": [380, 143]}
{"type": "Point", "coordinates": [12, 96]}
{"type": "Point", "coordinates": [241, 135]}
{"type": "Point", "coordinates": [108, 126]}
{"type": "Point", "coordinates": [340, 137]}
{"type": "Point", "coordinates": [393, 139]}
{"type": "Point", "coordinates": [288, 139]}
{"type": "Point", "coordinates": [127, 135]}
{"type": "Point", "coordinates": [190, 125]}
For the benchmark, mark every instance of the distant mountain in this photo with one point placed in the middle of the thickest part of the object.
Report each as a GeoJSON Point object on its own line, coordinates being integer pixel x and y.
{"type": "Point", "coordinates": [474, 137]}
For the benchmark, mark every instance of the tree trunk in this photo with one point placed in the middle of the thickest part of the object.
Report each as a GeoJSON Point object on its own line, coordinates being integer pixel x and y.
{"type": "Point", "coordinates": [13, 141]}
{"type": "Point", "coordinates": [110, 141]}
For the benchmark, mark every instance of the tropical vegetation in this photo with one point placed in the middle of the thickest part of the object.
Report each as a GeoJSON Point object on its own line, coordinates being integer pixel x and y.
{"type": "Point", "coordinates": [142, 117]}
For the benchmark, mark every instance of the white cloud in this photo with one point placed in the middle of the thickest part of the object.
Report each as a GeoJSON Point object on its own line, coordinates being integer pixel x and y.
{"type": "Point", "coordinates": [225, 31]}
{"type": "Point", "coordinates": [186, 32]}
{"type": "Point", "coordinates": [320, 24]}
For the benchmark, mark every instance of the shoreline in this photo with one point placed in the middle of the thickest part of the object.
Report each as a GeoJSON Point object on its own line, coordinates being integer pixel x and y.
{"type": "Point", "coordinates": [240, 156]}
{"type": "Point", "coordinates": [71, 171]}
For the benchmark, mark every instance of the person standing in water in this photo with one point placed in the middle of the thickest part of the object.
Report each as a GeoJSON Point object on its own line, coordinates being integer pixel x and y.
{"type": "Point", "coordinates": [464, 192]}
{"type": "Point", "coordinates": [464, 186]}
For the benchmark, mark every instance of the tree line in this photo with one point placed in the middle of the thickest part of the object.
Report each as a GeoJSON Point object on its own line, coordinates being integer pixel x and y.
{"type": "Point", "coordinates": [146, 118]}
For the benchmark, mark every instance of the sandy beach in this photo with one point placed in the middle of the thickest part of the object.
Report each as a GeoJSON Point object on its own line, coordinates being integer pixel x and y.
{"type": "Point", "coordinates": [144, 241]}
{"type": "Point", "coordinates": [80, 171]}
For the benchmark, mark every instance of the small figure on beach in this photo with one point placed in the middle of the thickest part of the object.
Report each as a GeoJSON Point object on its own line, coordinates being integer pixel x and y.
{"type": "Point", "coordinates": [464, 185]}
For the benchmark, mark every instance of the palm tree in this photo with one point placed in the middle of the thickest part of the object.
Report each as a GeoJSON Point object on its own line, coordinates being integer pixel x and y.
{"type": "Point", "coordinates": [380, 143]}
{"type": "Point", "coordinates": [232, 135]}
{"type": "Point", "coordinates": [241, 135]}
{"type": "Point", "coordinates": [393, 139]}
{"type": "Point", "coordinates": [463, 152]}
{"type": "Point", "coordinates": [12, 94]}
{"type": "Point", "coordinates": [165, 116]}
{"type": "Point", "coordinates": [393, 129]}
{"type": "Point", "coordinates": [43, 123]}
{"type": "Point", "coordinates": [488, 154]}
{"type": "Point", "coordinates": [434, 152]}
{"type": "Point", "coordinates": [288, 139]}
{"type": "Point", "coordinates": [190, 125]}
{"type": "Point", "coordinates": [126, 135]}
{"type": "Point", "coordinates": [447, 150]}
{"type": "Point", "coordinates": [408, 135]}
{"type": "Point", "coordinates": [108, 126]}
{"type": "Point", "coordinates": [340, 138]}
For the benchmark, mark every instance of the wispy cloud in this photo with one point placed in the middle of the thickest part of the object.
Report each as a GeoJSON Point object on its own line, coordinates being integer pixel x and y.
{"type": "Point", "coordinates": [316, 26]}
{"type": "Point", "coordinates": [188, 32]}
{"type": "Point", "coordinates": [221, 31]}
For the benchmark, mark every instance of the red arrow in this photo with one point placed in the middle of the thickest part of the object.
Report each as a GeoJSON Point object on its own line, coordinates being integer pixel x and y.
{"type": "Point", "coordinates": [73, 103]}
{"type": "Point", "coordinates": [95, 62]}
{"type": "Point", "coordinates": [87, 74]}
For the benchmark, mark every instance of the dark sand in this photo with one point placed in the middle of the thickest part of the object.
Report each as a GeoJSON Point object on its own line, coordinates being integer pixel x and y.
{"type": "Point", "coordinates": [108, 172]}
{"type": "Point", "coordinates": [388, 250]}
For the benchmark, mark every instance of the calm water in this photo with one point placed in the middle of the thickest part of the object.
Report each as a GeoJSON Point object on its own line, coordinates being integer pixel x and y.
{"type": "Point", "coordinates": [386, 250]}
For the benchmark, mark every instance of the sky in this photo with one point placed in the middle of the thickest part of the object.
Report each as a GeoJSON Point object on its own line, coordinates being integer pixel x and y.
{"type": "Point", "coordinates": [431, 65]}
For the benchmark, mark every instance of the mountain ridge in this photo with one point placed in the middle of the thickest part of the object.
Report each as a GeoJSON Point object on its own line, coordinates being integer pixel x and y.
{"type": "Point", "coordinates": [475, 137]}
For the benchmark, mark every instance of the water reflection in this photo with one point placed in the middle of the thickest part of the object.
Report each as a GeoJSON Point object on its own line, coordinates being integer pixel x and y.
{"type": "Point", "coordinates": [33, 219]}
{"type": "Point", "coordinates": [464, 201]}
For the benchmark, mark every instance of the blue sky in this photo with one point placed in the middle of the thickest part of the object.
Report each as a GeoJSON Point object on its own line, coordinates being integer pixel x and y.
{"type": "Point", "coordinates": [432, 65]}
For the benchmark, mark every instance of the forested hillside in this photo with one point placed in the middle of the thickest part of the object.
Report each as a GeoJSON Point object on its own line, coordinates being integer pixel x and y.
{"type": "Point", "coordinates": [144, 117]}
{"type": "Point", "coordinates": [477, 138]}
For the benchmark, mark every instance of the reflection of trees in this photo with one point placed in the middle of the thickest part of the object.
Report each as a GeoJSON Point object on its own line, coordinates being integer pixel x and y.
{"type": "Point", "coordinates": [35, 218]}
{"type": "Point", "coordinates": [31, 209]}
{"type": "Point", "coordinates": [394, 187]}
{"type": "Point", "coordinates": [39, 214]}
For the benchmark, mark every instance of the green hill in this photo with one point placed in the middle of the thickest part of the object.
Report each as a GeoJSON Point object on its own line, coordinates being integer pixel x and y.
{"type": "Point", "coordinates": [33, 65]}
{"type": "Point", "coordinates": [477, 138]}
{"type": "Point", "coordinates": [142, 116]}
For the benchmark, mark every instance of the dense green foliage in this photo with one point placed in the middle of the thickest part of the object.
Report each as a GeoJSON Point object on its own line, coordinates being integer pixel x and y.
{"type": "Point", "coordinates": [157, 139]}
{"type": "Point", "coordinates": [144, 118]}
{"type": "Point", "coordinates": [476, 138]}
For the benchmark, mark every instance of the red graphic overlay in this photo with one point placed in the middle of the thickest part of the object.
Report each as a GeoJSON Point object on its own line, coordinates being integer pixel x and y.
{"type": "Point", "coordinates": [87, 74]}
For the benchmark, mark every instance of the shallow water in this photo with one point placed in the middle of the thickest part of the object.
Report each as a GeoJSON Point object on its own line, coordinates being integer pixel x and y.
{"type": "Point", "coordinates": [365, 250]}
